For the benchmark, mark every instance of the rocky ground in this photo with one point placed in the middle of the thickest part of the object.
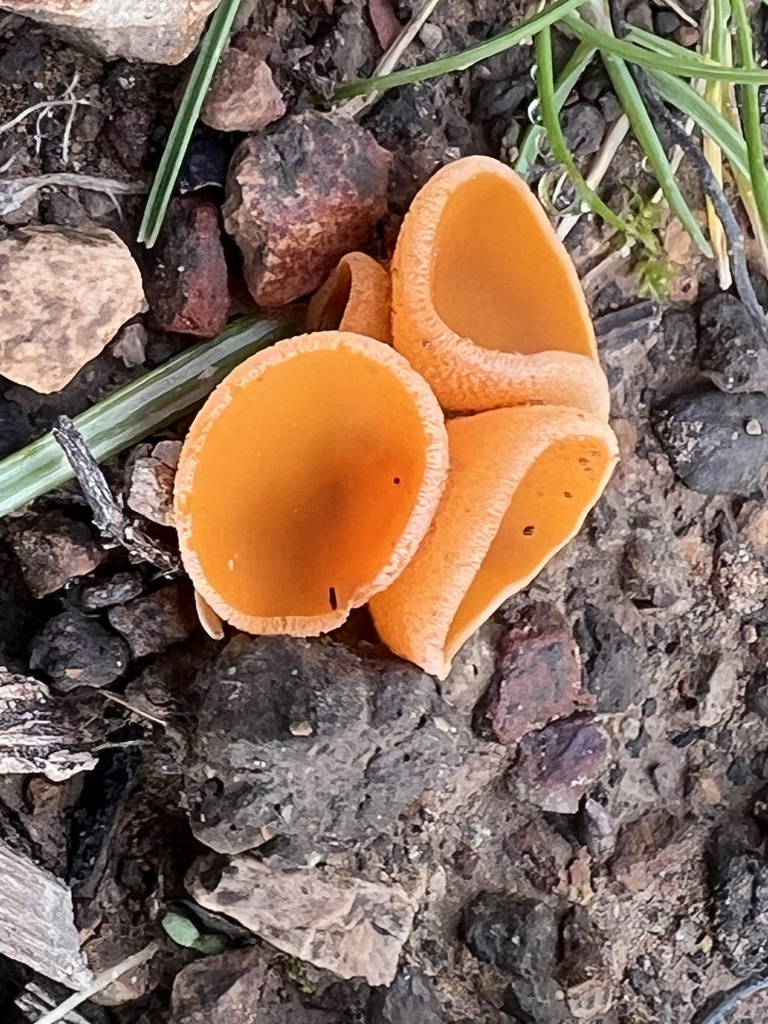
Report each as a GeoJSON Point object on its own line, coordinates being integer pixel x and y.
{"type": "Point", "coordinates": [572, 827]}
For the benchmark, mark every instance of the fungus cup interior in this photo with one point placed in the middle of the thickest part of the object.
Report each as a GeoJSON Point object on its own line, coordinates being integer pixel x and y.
{"type": "Point", "coordinates": [522, 481]}
{"type": "Point", "coordinates": [307, 481]}
{"type": "Point", "coordinates": [499, 275]}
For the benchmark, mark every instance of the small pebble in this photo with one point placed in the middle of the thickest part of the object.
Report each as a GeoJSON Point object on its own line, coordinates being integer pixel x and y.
{"type": "Point", "coordinates": [431, 36]}
{"type": "Point", "coordinates": [754, 428]}
{"type": "Point", "coordinates": [686, 35]}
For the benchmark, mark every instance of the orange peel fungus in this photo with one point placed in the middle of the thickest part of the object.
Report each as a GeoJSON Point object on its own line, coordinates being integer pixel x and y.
{"type": "Point", "coordinates": [522, 481]}
{"type": "Point", "coordinates": [487, 305]}
{"type": "Point", "coordinates": [356, 297]}
{"type": "Point", "coordinates": [307, 482]}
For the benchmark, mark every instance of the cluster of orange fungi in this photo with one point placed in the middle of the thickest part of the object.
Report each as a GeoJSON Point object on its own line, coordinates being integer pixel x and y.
{"type": "Point", "coordinates": [322, 473]}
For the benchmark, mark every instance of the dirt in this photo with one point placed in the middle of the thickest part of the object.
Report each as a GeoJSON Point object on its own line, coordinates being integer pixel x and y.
{"type": "Point", "coordinates": [575, 821]}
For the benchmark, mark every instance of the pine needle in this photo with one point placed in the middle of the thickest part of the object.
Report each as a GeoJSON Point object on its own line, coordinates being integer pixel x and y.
{"type": "Point", "coordinates": [213, 44]}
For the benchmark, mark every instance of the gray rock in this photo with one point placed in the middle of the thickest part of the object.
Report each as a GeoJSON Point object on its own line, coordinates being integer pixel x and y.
{"type": "Point", "coordinates": [410, 998]}
{"type": "Point", "coordinates": [740, 898]}
{"type": "Point", "coordinates": [732, 353]}
{"type": "Point", "coordinates": [707, 441]}
{"type": "Point", "coordinates": [307, 740]}
{"type": "Point", "coordinates": [74, 650]}
{"type": "Point", "coordinates": [612, 667]}
{"type": "Point", "coordinates": [153, 623]}
{"type": "Point", "coordinates": [519, 936]}
{"type": "Point", "coordinates": [118, 589]}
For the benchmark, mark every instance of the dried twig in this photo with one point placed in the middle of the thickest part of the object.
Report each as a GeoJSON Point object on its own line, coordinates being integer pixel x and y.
{"type": "Point", "coordinates": [108, 516]}
{"type": "Point", "coordinates": [15, 191]}
{"type": "Point", "coordinates": [102, 981]}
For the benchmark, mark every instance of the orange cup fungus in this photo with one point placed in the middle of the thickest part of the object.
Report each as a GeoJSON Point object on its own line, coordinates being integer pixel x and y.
{"type": "Point", "coordinates": [356, 297]}
{"type": "Point", "coordinates": [307, 482]}
{"type": "Point", "coordinates": [487, 305]}
{"type": "Point", "coordinates": [522, 480]}
{"type": "Point", "coordinates": [314, 478]}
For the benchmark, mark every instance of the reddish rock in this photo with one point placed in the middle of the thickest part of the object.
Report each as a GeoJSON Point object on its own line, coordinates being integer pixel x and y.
{"type": "Point", "coordinates": [560, 763]}
{"type": "Point", "coordinates": [300, 197]}
{"type": "Point", "coordinates": [243, 96]}
{"type": "Point", "coordinates": [537, 677]}
{"type": "Point", "coordinates": [186, 272]}
{"type": "Point", "coordinates": [52, 550]}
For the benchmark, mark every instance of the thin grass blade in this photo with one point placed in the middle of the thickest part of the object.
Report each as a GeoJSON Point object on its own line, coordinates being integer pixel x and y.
{"type": "Point", "coordinates": [466, 58]}
{"type": "Point", "coordinates": [549, 114]}
{"type": "Point", "coordinates": [646, 135]}
{"type": "Point", "coordinates": [669, 57]}
{"type": "Point", "coordinates": [689, 102]}
{"type": "Point", "coordinates": [535, 134]}
{"type": "Point", "coordinates": [750, 109]}
{"type": "Point", "coordinates": [140, 408]}
{"type": "Point", "coordinates": [715, 44]}
{"type": "Point", "coordinates": [213, 44]}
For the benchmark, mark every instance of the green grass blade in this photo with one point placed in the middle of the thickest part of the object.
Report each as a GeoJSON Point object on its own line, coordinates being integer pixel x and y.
{"type": "Point", "coordinates": [750, 110]}
{"type": "Point", "coordinates": [693, 105]}
{"type": "Point", "coordinates": [211, 49]}
{"type": "Point", "coordinates": [687, 65]}
{"type": "Point", "coordinates": [645, 133]}
{"type": "Point", "coordinates": [140, 408]}
{"type": "Point", "coordinates": [461, 61]}
{"type": "Point", "coordinates": [535, 133]}
{"type": "Point", "coordinates": [545, 82]}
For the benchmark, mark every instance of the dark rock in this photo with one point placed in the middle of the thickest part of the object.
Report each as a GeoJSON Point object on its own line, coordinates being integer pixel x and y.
{"type": "Point", "coordinates": [118, 589]}
{"type": "Point", "coordinates": [515, 934]}
{"type": "Point", "coordinates": [584, 127]}
{"type": "Point", "coordinates": [519, 937]}
{"type": "Point", "coordinates": [18, 614]}
{"type": "Point", "coordinates": [206, 162]}
{"type": "Point", "coordinates": [537, 677]}
{"type": "Point", "coordinates": [52, 550]}
{"type": "Point", "coordinates": [612, 669]}
{"type": "Point", "coordinates": [14, 427]}
{"type": "Point", "coordinates": [687, 35]}
{"type": "Point", "coordinates": [731, 350]}
{"type": "Point", "coordinates": [502, 98]}
{"type": "Point", "coordinates": [22, 60]}
{"type": "Point", "coordinates": [313, 743]}
{"type": "Point", "coordinates": [409, 999]}
{"type": "Point", "coordinates": [186, 271]}
{"type": "Point", "coordinates": [74, 650]}
{"type": "Point", "coordinates": [667, 22]}
{"type": "Point", "coordinates": [300, 197]}
{"type": "Point", "coordinates": [560, 763]}
{"type": "Point", "coordinates": [740, 901]}
{"type": "Point", "coordinates": [678, 347]}
{"type": "Point", "coordinates": [243, 96]}
{"type": "Point", "coordinates": [153, 623]}
{"type": "Point", "coordinates": [717, 443]}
